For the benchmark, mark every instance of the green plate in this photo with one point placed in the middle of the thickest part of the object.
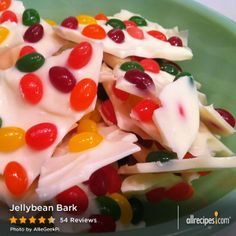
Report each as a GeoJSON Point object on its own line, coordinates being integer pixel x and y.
{"type": "Point", "coordinates": [212, 38]}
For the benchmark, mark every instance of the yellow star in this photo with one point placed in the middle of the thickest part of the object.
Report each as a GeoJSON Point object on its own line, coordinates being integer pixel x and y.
{"type": "Point", "coordinates": [22, 220]}
{"type": "Point", "coordinates": [51, 220]}
{"type": "Point", "coordinates": [41, 220]}
{"type": "Point", "coordinates": [13, 220]}
{"type": "Point", "coordinates": [32, 220]}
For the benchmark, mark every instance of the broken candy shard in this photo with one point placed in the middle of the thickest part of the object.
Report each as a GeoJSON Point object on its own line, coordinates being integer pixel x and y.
{"type": "Point", "coordinates": [178, 118]}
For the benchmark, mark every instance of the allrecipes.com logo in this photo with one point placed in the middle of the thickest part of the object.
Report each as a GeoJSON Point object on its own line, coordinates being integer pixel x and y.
{"type": "Point", "coordinates": [215, 220]}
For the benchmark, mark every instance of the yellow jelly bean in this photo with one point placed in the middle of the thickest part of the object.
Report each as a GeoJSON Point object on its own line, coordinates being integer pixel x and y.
{"type": "Point", "coordinates": [86, 20]}
{"type": "Point", "coordinates": [11, 138]}
{"type": "Point", "coordinates": [94, 115]}
{"type": "Point", "coordinates": [125, 207]}
{"type": "Point", "coordinates": [4, 32]}
{"type": "Point", "coordinates": [84, 141]}
{"type": "Point", "coordinates": [87, 125]}
{"type": "Point", "coordinates": [51, 22]}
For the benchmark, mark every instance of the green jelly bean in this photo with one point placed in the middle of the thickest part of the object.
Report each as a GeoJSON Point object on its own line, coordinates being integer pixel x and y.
{"type": "Point", "coordinates": [0, 122]}
{"type": "Point", "coordinates": [30, 17]}
{"type": "Point", "coordinates": [184, 73]}
{"type": "Point", "coordinates": [162, 156]}
{"type": "Point", "coordinates": [116, 24]}
{"type": "Point", "coordinates": [139, 21]}
{"type": "Point", "coordinates": [169, 68]}
{"type": "Point", "coordinates": [138, 210]}
{"type": "Point", "coordinates": [129, 65]}
{"type": "Point", "coordinates": [108, 207]}
{"type": "Point", "coordinates": [30, 62]}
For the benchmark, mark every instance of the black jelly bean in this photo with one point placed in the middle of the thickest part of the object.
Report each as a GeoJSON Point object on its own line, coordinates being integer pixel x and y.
{"type": "Point", "coordinates": [162, 156]}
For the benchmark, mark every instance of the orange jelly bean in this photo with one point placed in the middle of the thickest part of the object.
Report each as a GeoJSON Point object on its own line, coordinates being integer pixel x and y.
{"type": "Point", "coordinates": [4, 4]}
{"type": "Point", "coordinates": [15, 178]}
{"type": "Point", "coordinates": [83, 94]}
{"type": "Point", "coordinates": [94, 31]}
{"type": "Point", "coordinates": [86, 20]}
{"type": "Point", "coordinates": [101, 16]}
{"type": "Point", "coordinates": [87, 125]}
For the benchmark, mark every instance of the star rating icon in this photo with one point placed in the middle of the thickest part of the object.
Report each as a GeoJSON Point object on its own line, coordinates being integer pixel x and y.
{"type": "Point", "coordinates": [23, 220]}
{"type": "Point", "coordinates": [51, 220]}
{"type": "Point", "coordinates": [32, 220]}
{"type": "Point", "coordinates": [41, 220]}
{"type": "Point", "coordinates": [13, 220]}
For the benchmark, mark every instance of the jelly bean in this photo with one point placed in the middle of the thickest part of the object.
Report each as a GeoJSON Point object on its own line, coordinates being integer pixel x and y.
{"type": "Point", "coordinates": [70, 22]}
{"type": "Point", "coordinates": [34, 33]}
{"type": "Point", "coordinates": [158, 35]}
{"type": "Point", "coordinates": [226, 116]}
{"type": "Point", "coordinates": [116, 35]}
{"type": "Point", "coordinates": [144, 142]}
{"type": "Point", "coordinates": [101, 16]}
{"type": "Point", "coordinates": [4, 4]}
{"type": "Point", "coordinates": [188, 155]}
{"type": "Point", "coordinates": [108, 112]}
{"type": "Point", "coordinates": [86, 125]}
{"type": "Point", "coordinates": [8, 16]}
{"type": "Point", "coordinates": [31, 88]}
{"type": "Point", "coordinates": [41, 136]}
{"type": "Point", "coordinates": [204, 173]}
{"type": "Point", "coordinates": [15, 178]}
{"type": "Point", "coordinates": [94, 31]}
{"type": "Point", "coordinates": [150, 65]}
{"type": "Point", "coordinates": [137, 209]}
{"type": "Point", "coordinates": [74, 195]}
{"type": "Point", "coordinates": [103, 224]}
{"type": "Point", "coordinates": [184, 73]}
{"type": "Point", "coordinates": [83, 141]}
{"type": "Point", "coordinates": [62, 79]}
{"type": "Point", "coordinates": [80, 55]}
{"type": "Point", "coordinates": [83, 94]}
{"type": "Point", "coordinates": [129, 65]}
{"type": "Point", "coordinates": [179, 192]}
{"type": "Point", "coordinates": [51, 22]}
{"type": "Point", "coordinates": [86, 20]}
{"type": "Point", "coordinates": [175, 41]}
{"type": "Point", "coordinates": [0, 122]}
{"type": "Point", "coordinates": [120, 94]}
{"type": "Point", "coordinates": [125, 207]}
{"type": "Point", "coordinates": [102, 94]}
{"type": "Point", "coordinates": [30, 62]}
{"type": "Point", "coordinates": [139, 21]}
{"type": "Point", "coordinates": [93, 115]}
{"type": "Point", "coordinates": [169, 68]}
{"type": "Point", "coordinates": [26, 50]}
{"type": "Point", "coordinates": [11, 139]}
{"type": "Point", "coordinates": [135, 32]}
{"type": "Point", "coordinates": [30, 17]}
{"type": "Point", "coordinates": [116, 24]}
{"type": "Point", "coordinates": [4, 32]}
{"type": "Point", "coordinates": [162, 156]}
{"type": "Point", "coordinates": [114, 183]}
{"type": "Point", "coordinates": [136, 58]}
{"type": "Point", "coordinates": [140, 79]}
{"type": "Point", "coordinates": [156, 195]}
{"type": "Point", "coordinates": [144, 109]}
{"type": "Point", "coordinates": [129, 23]}
{"type": "Point", "coordinates": [108, 207]}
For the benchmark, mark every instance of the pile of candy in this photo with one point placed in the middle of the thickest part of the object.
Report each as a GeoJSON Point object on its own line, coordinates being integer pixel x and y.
{"type": "Point", "coordinates": [93, 121]}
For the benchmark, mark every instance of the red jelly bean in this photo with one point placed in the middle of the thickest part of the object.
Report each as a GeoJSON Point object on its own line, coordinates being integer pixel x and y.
{"type": "Point", "coordinates": [101, 16]}
{"type": "Point", "coordinates": [108, 112]}
{"type": "Point", "coordinates": [144, 109]}
{"type": "Point", "coordinates": [122, 95]}
{"type": "Point", "coordinates": [80, 55]}
{"type": "Point", "coordinates": [62, 79]}
{"type": "Point", "coordinates": [15, 178]}
{"type": "Point", "coordinates": [94, 31]}
{"type": "Point", "coordinates": [129, 23]}
{"type": "Point", "coordinates": [227, 116]}
{"type": "Point", "coordinates": [41, 136]}
{"type": "Point", "coordinates": [4, 4]}
{"type": "Point", "coordinates": [26, 50]}
{"type": "Point", "coordinates": [135, 32]}
{"type": "Point", "coordinates": [114, 180]}
{"type": "Point", "coordinates": [158, 35]}
{"type": "Point", "coordinates": [156, 195]}
{"type": "Point", "coordinates": [116, 35]}
{"type": "Point", "coordinates": [70, 22]}
{"type": "Point", "coordinates": [83, 94]}
{"type": "Point", "coordinates": [188, 155]}
{"type": "Point", "coordinates": [139, 78]}
{"type": "Point", "coordinates": [175, 41]}
{"type": "Point", "coordinates": [8, 16]}
{"type": "Point", "coordinates": [32, 88]}
{"type": "Point", "coordinates": [74, 195]}
{"type": "Point", "coordinates": [180, 192]}
{"type": "Point", "coordinates": [103, 224]}
{"type": "Point", "coordinates": [34, 33]}
{"type": "Point", "coordinates": [150, 65]}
